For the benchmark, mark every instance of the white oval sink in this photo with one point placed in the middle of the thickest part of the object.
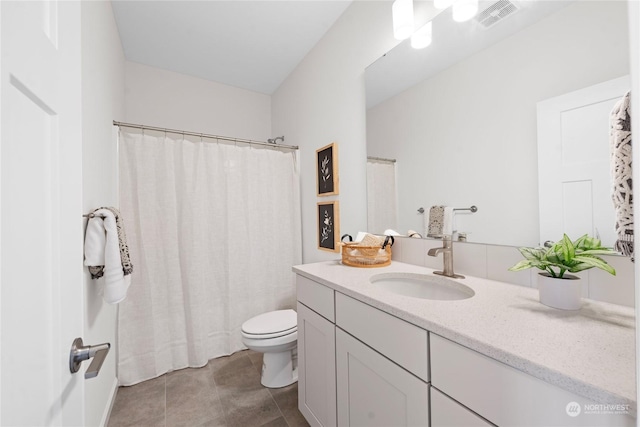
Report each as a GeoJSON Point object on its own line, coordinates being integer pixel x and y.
{"type": "Point", "coordinates": [423, 286]}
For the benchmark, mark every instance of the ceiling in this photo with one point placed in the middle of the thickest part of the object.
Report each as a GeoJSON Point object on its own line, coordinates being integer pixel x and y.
{"type": "Point", "coordinates": [252, 45]}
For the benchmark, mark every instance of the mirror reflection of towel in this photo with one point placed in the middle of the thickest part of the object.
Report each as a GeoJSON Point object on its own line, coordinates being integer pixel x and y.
{"type": "Point", "coordinates": [436, 221]}
{"type": "Point", "coordinates": [621, 172]}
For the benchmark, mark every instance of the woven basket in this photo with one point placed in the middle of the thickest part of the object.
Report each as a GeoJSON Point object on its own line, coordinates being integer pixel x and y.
{"type": "Point", "coordinates": [355, 255]}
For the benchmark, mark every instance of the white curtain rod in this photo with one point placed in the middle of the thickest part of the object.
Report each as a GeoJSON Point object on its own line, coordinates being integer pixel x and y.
{"type": "Point", "coordinates": [204, 135]}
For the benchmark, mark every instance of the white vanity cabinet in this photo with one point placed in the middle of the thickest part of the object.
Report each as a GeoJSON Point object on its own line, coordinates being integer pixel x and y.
{"type": "Point", "coordinates": [405, 344]}
{"type": "Point", "coordinates": [374, 375]}
{"type": "Point", "coordinates": [316, 353]}
{"type": "Point", "coordinates": [504, 395]}
{"type": "Point", "coordinates": [361, 366]}
{"type": "Point", "coordinates": [382, 366]}
{"type": "Point", "coordinates": [375, 392]}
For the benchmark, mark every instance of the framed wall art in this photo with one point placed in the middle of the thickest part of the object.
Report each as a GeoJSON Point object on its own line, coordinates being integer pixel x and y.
{"type": "Point", "coordinates": [327, 170]}
{"type": "Point", "coordinates": [328, 226]}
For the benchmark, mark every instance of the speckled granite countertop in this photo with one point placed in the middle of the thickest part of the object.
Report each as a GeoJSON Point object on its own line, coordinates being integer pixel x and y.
{"type": "Point", "coordinates": [590, 352]}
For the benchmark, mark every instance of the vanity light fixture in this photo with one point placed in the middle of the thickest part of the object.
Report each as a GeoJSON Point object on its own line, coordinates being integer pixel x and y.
{"type": "Point", "coordinates": [422, 38]}
{"type": "Point", "coordinates": [442, 4]}
{"type": "Point", "coordinates": [463, 10]}
{"type": "Point", "coordinates": [402, 11]}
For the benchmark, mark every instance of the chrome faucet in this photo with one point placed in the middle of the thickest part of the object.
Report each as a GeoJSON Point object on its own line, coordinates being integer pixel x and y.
{"type": "Point", "coordinates": [447, 255]}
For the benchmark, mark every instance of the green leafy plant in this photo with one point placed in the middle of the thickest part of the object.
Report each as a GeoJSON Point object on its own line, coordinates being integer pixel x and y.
{"type": "Point", "coordinates": [566, 256]}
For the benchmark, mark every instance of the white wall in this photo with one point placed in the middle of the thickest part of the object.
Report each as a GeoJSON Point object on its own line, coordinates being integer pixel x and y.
{"type": "Point", "coordinates": [473, 126]}
{"type": "Point", "coordinates": [171, 100]}
{"type": "Point", "coordinates": [102, 102]}
{"type": "Point", "coordinates": [323, 101]}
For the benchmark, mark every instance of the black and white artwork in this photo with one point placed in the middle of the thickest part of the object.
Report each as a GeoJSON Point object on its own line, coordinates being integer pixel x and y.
{"type": "Point", "coordinates": [327, 170]}
{"type": "Point", "coordinates": [328, 226]}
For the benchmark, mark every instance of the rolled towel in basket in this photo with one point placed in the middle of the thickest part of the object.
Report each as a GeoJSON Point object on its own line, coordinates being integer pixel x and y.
{"type": "Point", "coordinates": [371, 240]}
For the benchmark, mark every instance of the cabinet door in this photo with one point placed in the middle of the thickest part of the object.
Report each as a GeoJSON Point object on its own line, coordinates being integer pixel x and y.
{"type": "Point", "coordinates": [446, 412]}
{"type": "Point", "coordinates": [316, 368]}
{"type": "Point", "coordinates": [373, 391]}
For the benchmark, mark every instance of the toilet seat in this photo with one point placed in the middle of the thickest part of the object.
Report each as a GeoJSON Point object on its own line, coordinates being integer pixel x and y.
{"type": "Point", "coordinates": [271, 325]}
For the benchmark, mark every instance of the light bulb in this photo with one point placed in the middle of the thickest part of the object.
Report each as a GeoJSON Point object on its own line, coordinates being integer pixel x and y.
{"type": "Point", "coordinates": [442, 4]}
{"type": "Point", "coordinates": [402, 11]}
{"type": "Point", "coordinates": [463, 10]}
{"type": "Point", "coordinates": [422, 38]}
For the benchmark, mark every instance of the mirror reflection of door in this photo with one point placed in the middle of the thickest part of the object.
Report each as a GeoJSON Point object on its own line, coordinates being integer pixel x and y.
{"type": "Point", "coordinates": [574, 175]}
{"type": "Point", "coordinates": [381, 195]}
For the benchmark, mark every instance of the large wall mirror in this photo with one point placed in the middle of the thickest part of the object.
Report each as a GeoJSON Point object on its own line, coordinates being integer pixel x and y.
{"type": "Point", "coordinates": [461, 117]}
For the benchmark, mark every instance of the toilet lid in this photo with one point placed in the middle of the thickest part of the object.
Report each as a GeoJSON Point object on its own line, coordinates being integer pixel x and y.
{"type": "Point", "coordinates": [271, 323]}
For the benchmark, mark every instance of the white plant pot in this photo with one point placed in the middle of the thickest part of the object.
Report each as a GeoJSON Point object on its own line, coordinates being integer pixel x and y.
{"type": "Point", "coordinates": [565, 293]}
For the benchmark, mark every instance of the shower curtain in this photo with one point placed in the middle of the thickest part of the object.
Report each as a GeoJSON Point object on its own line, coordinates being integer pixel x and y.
{"type": "Point", "coordinates": [381, 196]}
{"type": "Point", "coordinates": [213, 230]}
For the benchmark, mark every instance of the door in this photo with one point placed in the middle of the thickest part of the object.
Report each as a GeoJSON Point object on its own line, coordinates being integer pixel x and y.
{"type": "Point", "coordinates": [446, 412]}
{"type": "Point", "coordinates": [316, 368]}
{"type": "Point", "coordinates": [40, 212]}
{"type": "Point", "coordinates": [375, 392]}
{"type": "Point", "coordinates": [574, 175]}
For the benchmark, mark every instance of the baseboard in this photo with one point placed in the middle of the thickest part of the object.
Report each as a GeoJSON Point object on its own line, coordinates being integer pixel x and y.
{"type": "Point", "coordinates": [109, 407]}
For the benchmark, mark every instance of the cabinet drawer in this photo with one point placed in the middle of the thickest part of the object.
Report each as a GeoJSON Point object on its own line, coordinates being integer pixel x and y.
{"type": "Point", "coordinates": [317, 297]}
{"type": "Point", "coordinates": [446, 412]}
{"type": "Point", "coordinates": [504, 395]}
{"type": "Point", "coordinates": [402, 342]}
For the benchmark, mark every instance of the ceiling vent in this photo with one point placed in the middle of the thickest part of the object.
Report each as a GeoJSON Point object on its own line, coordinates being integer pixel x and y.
{"type": "Point", "coordinates": [496, 13]}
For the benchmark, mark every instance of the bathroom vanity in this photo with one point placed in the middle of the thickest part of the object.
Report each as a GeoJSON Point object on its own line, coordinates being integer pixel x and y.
{"type": "Point", "coordinates": [372, 357]}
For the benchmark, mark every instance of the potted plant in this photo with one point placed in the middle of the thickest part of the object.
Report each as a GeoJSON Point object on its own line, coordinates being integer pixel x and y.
{"type": "Point", "coordinates": [557, 288]}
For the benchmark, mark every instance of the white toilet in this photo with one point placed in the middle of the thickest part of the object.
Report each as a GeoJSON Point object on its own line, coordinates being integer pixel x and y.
{"type": "Point", "coordinates": [276, 335]}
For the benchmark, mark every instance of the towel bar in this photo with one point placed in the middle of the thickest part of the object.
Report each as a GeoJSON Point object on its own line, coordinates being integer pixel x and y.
{"type": "Point", "coordinates": [473, 209]}
{"type": "Point", "coordinates": [92, 215]}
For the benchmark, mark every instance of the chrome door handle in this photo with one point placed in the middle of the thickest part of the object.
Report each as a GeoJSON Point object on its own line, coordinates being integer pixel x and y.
{"type": "Point", "coordinates": [80, 352]}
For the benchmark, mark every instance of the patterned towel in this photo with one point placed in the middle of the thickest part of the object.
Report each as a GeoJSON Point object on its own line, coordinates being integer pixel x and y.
{"type": "Point", "coordinates": [620, 146]}
{"type": "Point", "coordinates": [97, 271]}
{"type": "Point", "coordinates": [436, 221]}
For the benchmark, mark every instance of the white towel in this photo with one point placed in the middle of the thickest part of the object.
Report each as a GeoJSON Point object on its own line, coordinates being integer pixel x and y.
{"type": "Point", "coordinates": [413, 233]}
{"type": "Point", "coordinates": [94, 242]}
{"type": "Point", "coordinates": [360, 236]}
{"type": "Point", "coordinates": [447, 222]}
{"type": "Point", "coordinates": [116, 283]}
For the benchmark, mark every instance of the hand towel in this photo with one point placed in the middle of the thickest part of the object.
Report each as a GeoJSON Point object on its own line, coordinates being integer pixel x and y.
{"type": "Point", "coordinates": [621, 171]}
{"type": "Point", "coordinates": [390, 232]}
{"type": "Point", "coordinates": [94, 243]}
{"type": "Point", "coordinates": [436, 221]}
{"type": "Point", "coordinates": [127, 267]}
{"type": "Point", "coordinates": [447, 221]}
{"type": "Point", "coordinates": [116, 266]}
{"type": "Point", "coordinates": [413, 233]}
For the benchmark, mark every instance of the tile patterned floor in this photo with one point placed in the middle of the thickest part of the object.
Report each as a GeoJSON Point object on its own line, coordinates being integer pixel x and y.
{"type": "Point", "coordinates": [226, 392]}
